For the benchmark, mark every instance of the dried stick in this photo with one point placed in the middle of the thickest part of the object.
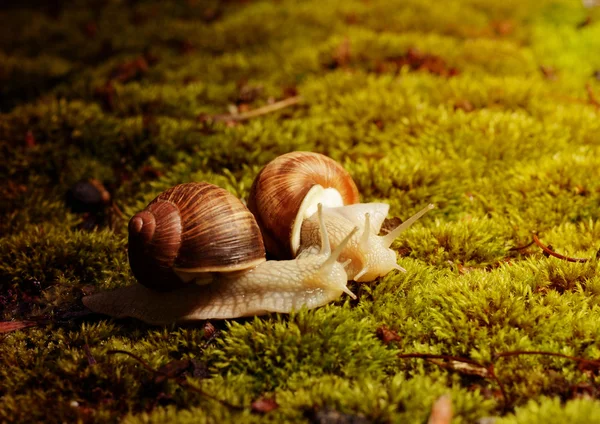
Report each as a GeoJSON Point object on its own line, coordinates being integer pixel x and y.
{"type": "Point", "coordinates": [259, 111]}
{"type": "Point", "coordinates": [489, 368]}
{"type": "Point", "coordinates": [556, 255]}
{"type": "Point", "coordinates": [525, 246]}
{"type": "Point", "coordinates": [583, 364]}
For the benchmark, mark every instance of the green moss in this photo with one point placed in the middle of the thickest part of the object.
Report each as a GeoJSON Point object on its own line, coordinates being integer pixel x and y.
{"type": "Point", "coordinates": [499, 129]}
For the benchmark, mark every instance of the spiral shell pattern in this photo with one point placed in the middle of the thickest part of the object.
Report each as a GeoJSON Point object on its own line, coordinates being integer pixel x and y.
{"type": "Point", "coordinates": [190, 229]}
{"type": "Point", "coordinates": [280, 188]}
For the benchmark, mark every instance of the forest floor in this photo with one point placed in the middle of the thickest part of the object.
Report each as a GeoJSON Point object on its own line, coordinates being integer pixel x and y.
{"type": "Point", "coordinates": [488, 109]}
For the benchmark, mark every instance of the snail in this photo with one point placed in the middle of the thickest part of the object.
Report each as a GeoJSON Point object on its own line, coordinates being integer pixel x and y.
{"type": "Point", "coordinates": [198, 253]}
{"type": "Point", "coordinates": [284, 199]}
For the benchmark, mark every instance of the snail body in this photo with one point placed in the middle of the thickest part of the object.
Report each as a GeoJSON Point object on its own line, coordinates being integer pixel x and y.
{"type": "Point", "coordinates": [174, 248]}
{"type": "Point", "coordinates": [295, 183]}
{"type": "Point", "coordinates": [370, 254]}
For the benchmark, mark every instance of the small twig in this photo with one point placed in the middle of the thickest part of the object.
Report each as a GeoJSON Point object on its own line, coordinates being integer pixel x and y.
{"type": "Point", "coordinates": [579, 360]}
{"type": "Point", "coordinates": [525, 246]}
{"type": "Point", "coordinates": [444, 357]}
{"type": "Point", "coordinates": [550, 252]}
{"type": "Point", "coordinates": [489, 368]}
{"type": "Point", "coordinates": [582, 363]}
{"type": "Point", "coordinates": [183, 384]}
{"type": "Point", "coordinates": [259, 111]}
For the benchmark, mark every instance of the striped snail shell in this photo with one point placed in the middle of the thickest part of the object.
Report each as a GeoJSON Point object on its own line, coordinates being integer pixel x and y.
{"type": "Point", "coordinates": [288, 190]}
{"type": "Point", "coordinates": [188, 231]}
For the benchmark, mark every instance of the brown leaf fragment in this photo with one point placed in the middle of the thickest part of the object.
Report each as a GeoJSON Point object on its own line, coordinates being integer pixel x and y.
{"type": "Point", "coordinates": [10, 326]}
{"type": "Point", "coordinates": [386, 335]}
{"type": "Point", "coordinates": [264, 405]}
{"type": "Point", "coordinates": [441, 411]}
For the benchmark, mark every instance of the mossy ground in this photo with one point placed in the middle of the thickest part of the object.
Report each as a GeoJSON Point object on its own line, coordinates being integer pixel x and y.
{"type": "Point", "coordinates": [487, 108]}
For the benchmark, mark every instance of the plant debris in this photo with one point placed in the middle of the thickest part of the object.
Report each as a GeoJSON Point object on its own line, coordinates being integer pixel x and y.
{"type": "Point", "coordinates": [237, 117]}
{"type": "Point", "coordinates": [591, 366]}
{"type": "Point", "coordinates": [387, 336]}
{"type": "Point", "coordinates": [8, 326]}
{"type": "Point", "coordinates": [548, 251]}
{"type": "Point", "coordinates": [264, 405]}
{"type": "Point", "coordinates": [416, 60]}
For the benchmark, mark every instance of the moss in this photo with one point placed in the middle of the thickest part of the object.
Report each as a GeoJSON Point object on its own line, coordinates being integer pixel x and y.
{"type": "Point", "coordinates": [487, 109]}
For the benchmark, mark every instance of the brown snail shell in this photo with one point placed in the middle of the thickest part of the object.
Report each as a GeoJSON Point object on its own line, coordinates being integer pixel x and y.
{"type": "Point", "coordinates": [280, 189]}
{"type": "Point", "coordinates": [189, 230]}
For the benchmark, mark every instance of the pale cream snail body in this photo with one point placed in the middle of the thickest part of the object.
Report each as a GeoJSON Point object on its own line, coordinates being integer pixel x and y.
{"type": "Point", "coordinates": [284, 199]}
{"type": "Point", "coordinates": [198, 253]}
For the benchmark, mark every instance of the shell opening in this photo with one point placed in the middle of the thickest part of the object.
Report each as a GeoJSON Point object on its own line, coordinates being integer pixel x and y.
{"type": "Point", "coordinates": [328, 197]}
